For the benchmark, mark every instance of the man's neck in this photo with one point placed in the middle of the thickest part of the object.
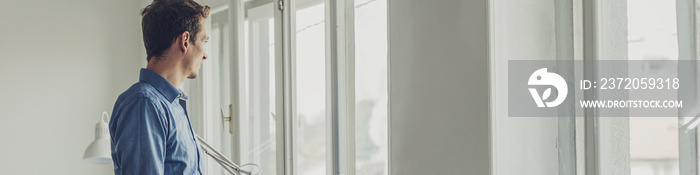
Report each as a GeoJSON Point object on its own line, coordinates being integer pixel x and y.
{"type": "Point", "coordinates": [168, 71]}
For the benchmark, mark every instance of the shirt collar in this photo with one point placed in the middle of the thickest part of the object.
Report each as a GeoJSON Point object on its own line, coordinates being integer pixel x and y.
{"type": "Point", "coordinates": [161, 84]}
{"type": "Point", "coordinates": [182, 95]}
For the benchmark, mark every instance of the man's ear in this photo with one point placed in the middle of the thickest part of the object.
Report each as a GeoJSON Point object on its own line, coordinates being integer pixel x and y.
{"type": "Point", "coordinates": [184, 38]}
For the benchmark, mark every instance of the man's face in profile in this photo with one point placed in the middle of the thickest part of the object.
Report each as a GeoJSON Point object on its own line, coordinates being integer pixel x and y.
{"type": "Point", "coordinates": [193, 60]}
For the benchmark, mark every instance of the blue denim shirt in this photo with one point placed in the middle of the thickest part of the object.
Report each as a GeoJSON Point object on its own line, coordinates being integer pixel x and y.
{"type": "Point", "coordinates": [151, 132]}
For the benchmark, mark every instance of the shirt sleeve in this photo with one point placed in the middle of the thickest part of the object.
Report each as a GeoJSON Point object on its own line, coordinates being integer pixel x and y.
{"type": "Point", "coordinates": [139, 135]}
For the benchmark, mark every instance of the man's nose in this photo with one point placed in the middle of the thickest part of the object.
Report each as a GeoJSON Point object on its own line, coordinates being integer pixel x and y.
{"type": "Point", "coordinates": [205, 56]}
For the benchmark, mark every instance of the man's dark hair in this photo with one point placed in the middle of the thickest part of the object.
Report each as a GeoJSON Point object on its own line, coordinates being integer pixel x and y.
{"type": "Point", "coordinates": [164, 20]}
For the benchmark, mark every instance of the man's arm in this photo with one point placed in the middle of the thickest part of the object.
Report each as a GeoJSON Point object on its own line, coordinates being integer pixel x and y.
{"type": "Point", "coordinates": [139, 133]}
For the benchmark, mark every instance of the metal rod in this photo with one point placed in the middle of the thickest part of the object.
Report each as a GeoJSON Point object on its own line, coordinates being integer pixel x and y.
{"type": "Point", "coordinates": [220, 158]}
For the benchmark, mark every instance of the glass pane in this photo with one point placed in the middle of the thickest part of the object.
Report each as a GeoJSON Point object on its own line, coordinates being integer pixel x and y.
{"type": "Point", "coordinates": [257, 97]}
{"type": "Point", "coordinates": [371, 144]}
{"type": "Point", "coordinates": [310, 89]}
{"type": "Point", "coordinates": [652, 36]}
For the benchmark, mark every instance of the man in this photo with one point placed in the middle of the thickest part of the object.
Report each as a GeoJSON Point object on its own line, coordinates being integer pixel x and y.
{"type": "Point", "coordinates": [150, 129]}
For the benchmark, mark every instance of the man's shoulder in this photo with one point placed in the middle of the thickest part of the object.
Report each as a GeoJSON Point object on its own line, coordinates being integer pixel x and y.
{"type": "Point", "coordinates": [139, 91]}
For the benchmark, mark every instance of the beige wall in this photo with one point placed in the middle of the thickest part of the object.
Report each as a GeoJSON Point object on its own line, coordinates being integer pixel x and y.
{"type": "Point", "coordinates": [438, 87]}
{"type": "Point", "coordinates": [62, 63]}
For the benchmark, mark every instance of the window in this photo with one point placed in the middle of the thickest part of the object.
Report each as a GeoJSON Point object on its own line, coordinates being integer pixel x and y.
{"type": "Point", "coordinates": [217, 88]}
{"type": "Point", "coordinates": [259, 116]}
{"type": "Point", "coordinates": [596, 141]}
{"type": "Point", "coordinates": [287, 95]}
{"type": "Point", "coordinates": [211, 92]}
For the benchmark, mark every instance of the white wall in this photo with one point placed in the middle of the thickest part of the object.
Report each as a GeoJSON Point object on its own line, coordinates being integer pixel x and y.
{"type": "Point", "coordinates": [613, 132]}
{"type": "Point", "coordinates": [523, 30]}
{"type": "Point", "coordinates": [439, 86]}
{"type": "Point", "coordinates": [62, 63]}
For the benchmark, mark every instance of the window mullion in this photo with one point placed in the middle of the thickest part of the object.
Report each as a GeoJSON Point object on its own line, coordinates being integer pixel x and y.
{"type": "Point", "coordinates": [340, 65]}
{"type": "Point", "coordinates": [347, 132]}
{"type": "Point", "coordinates": [687, 137]}
{"type": "Point", "coordinates": [333, 55]}
{"type": "Point", "coordinates": [590, 54]}
{"type": "Point", "coordinates": [341, 86]}
{"type": "Point", "coordinates": [236, 39]}
{"type": "Point", "coordinates": [284, 84]}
